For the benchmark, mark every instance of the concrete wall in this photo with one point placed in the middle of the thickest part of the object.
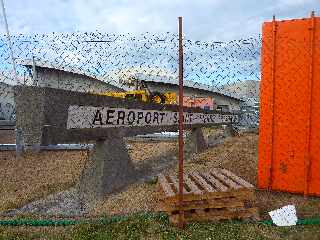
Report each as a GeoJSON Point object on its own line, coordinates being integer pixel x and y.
{"type": "Point", "coordinates": [43, 119]}
{"type": "Point", "coordinates": [6, 102]}
{"type": "Point", "coordinates": [219, 99]}
{"type": "Point", "coordinates": [54, 78]}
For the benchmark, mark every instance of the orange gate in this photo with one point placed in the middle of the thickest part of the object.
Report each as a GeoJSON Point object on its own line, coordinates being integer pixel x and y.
{"type": "Point", "coordinates": [289, 138]}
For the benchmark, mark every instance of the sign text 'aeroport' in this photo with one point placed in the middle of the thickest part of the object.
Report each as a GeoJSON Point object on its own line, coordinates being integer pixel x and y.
{"type": "Point", "coordinates": [103, 117]}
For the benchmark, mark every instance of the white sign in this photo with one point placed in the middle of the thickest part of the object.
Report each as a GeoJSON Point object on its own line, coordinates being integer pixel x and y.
{"type": "Point", "coordinates": [104, 117]}
{"type": "Point", "coordinates": [285, 216]}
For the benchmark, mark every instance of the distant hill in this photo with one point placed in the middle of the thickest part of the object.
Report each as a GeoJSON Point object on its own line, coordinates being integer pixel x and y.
{"type": "Point", "coordinates": [245, 90]}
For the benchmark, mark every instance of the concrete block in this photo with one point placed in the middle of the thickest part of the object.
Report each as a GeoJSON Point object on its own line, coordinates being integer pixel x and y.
{"type": "Point", "coordinates": [229, 131]}
{"type": "Point", "coordinates": [108, 169]}
{"type": "Point", "coordinates": [195, 142]}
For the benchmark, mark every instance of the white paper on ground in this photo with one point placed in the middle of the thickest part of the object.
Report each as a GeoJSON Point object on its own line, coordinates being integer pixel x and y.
{"type": "Point", "coordinates": [285, 216]}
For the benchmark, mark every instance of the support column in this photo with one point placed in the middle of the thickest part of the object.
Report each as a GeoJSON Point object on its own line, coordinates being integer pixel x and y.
{"type": "Point", "coordinates": [19, 143]}
{"type": "Point", "coordinates": [229, 131]}
{"type": "Point", "coordinates": [195, 142]}
{"type": "Point", "coordinates": [108, 169]}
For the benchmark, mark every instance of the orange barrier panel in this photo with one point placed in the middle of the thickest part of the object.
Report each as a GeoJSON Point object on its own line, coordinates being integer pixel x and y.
{"type": "Point", "coordinates": [289, 137]}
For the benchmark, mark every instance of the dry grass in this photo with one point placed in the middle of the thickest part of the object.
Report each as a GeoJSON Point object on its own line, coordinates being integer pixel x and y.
{"type": "Point", "coordinates": [40, 174]}
{"type": "Point", "coordinates": [141, 151]}
{"type": "Point", "coordinates": [136, 198]}
{"type": "Point", "coordinates": [37, 175]}
{"type": "Point", "coordinates": [238, 154]}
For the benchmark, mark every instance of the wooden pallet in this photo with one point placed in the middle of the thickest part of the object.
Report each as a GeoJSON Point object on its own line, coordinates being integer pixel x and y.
{"type": "Point", "coordinates": [214, 195]}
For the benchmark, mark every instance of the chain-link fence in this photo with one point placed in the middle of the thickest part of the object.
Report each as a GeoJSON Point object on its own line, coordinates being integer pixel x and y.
{"type": "Point", "coordinates": [226, 72]}
{"type": "Point", "coordinates": [220, 76]}
{"type": "Point", "coordinates": [223, 76]}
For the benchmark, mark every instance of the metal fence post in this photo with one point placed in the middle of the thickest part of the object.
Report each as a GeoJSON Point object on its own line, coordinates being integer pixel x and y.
{"type": "Point", "coordinates": [181, 213]}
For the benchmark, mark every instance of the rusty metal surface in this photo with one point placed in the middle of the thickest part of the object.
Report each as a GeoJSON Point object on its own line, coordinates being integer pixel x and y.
{"type": "Point", "coordinates": [181, 150]}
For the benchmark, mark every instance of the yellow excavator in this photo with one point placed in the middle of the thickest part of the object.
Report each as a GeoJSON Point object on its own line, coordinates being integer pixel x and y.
{"type": "Point", "coordinates": [143, 94]}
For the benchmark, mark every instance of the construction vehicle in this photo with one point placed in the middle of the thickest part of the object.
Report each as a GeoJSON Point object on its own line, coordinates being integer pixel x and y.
{"type": "Point", "coordinates": [142, 93]}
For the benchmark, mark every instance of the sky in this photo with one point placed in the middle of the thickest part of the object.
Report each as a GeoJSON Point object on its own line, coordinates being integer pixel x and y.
{"type": "Point", "coordinates": [205, 20]}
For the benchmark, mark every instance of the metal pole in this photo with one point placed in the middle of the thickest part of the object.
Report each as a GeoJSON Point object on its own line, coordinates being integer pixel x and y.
{"type": "Point", "coordinates": [181, 213]}
{"type": "Point", "coordinates": [9, 41]}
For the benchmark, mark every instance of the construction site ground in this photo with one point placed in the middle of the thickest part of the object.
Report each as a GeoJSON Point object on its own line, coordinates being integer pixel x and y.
{"type": "Point", "coordinates": [37, 175]}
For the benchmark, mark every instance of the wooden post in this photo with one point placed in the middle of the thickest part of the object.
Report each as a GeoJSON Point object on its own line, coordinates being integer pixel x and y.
{"type": "Point", "coordinates": [181, 213]}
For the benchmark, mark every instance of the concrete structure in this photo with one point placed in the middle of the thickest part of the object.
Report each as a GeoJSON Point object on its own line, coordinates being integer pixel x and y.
{"type": "Point", "coordinates": [7, 108]}
{"type": "Point", "coordinates": [43, 120]}
{"type": "Point", "coordinates": [108, 169]}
